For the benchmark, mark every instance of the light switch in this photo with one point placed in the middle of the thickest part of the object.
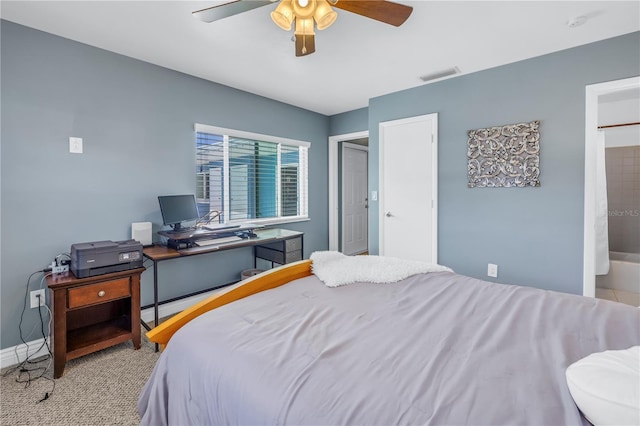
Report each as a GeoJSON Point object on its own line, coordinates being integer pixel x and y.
{"type": "Point", "coordinates": [492, 270]}
{"type": "Point", "coordinates": [75, 145]}
{"type": "Point", "coordinates": [374, 195]}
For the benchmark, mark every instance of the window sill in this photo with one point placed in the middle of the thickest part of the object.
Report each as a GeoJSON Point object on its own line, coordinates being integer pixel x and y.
{"type": "Point", "coordinates": [269, 222]}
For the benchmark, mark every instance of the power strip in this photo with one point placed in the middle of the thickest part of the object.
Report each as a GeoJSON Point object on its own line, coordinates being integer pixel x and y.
{"type": "Point", "coordinates": [59, 269]}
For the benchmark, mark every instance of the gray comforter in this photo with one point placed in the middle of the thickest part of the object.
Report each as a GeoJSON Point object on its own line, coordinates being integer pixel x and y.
{"type": "Point", "coordinates": [439, 348]}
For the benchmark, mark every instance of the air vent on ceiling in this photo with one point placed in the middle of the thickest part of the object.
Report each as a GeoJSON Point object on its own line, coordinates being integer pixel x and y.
{"type": "Point", "coordinates": [440, 74]}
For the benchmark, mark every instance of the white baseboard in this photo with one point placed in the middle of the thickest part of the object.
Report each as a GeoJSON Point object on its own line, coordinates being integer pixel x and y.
{"type": "Point", "coordinates": [16, 354]}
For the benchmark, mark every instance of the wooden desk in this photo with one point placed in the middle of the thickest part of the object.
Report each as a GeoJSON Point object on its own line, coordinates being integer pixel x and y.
{"type": "Point", "coordinates": [93, 313]}
{"type": "Point", "coordinates": [276, 245]}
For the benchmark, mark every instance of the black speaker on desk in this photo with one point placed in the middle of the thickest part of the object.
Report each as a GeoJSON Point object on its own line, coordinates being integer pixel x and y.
{"type": "Point", "coordinates": [179, 244]}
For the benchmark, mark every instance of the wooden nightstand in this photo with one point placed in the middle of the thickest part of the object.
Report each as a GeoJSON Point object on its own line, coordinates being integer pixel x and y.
{"type": "Point", "coordinates": [93, 313]}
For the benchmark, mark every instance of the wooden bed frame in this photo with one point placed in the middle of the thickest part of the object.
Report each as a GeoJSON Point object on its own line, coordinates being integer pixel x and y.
{"type": "Point", "coordinates": [267, 280]}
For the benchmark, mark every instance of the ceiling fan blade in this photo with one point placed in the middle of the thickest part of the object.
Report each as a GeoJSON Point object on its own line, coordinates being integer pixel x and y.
{"type": "Point", "coordinates": [305, 44]}
{"type": "Point", "coordinates": [380, 10]}
{"type": "Point", "coordinates": [225, 10]}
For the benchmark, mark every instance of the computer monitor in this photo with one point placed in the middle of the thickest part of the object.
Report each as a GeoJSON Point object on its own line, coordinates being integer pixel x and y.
{"type": "Point", "coordinates": [176, 209]}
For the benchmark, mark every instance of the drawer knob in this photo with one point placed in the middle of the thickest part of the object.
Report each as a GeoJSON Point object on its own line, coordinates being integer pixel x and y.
{"type": "Point", "coordinates": [101, 293]}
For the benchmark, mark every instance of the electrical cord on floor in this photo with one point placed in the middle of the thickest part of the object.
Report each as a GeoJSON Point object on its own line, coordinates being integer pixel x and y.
{"type": "Point", "coordinates": [30, 369]}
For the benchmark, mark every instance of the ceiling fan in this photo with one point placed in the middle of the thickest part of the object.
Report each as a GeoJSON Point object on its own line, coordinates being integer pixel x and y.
{"type": "Point", "coordinates": [307, 14]}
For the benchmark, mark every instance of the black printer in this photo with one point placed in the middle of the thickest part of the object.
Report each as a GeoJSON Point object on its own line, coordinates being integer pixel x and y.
{"type": "Point", "coordinates": [103, 257]}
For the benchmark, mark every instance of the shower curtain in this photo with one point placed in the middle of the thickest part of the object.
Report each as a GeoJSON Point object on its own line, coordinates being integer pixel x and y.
{"type": "Point", "coordinates": [602, 211]}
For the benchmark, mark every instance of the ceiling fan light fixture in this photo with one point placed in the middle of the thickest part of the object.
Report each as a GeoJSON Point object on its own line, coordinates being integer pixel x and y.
{"type": "Point", "coordinates": [283, 15]}
{"type": "Point", "coordinates": [304, 27]}
{"type": "Point", "coordinates": [303, 8]}
{"type": "Point", "coordinates": [309, 14]}
{"type": "Point", "coordinates": [324, 15]}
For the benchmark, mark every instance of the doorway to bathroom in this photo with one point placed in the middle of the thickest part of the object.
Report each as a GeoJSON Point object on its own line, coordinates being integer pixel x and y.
{"type": "Point", "coordinates": [612, 191]}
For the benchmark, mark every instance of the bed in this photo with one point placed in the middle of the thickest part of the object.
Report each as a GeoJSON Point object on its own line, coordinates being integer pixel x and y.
{"type": "Point", "coordinates": [433, 348]}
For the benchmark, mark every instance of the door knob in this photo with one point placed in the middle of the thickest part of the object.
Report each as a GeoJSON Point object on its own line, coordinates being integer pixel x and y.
{"type": "Point", "coordinates": [388, 214]}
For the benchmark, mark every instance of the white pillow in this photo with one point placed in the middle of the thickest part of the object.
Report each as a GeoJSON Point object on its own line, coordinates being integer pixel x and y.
{"type": "Point", "coordinates": [606, 386]}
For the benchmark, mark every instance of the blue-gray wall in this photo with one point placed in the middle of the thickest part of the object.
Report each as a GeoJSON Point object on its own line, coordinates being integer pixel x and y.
{"type": "Point", "coordinates": [350, 122]}
{"type": "Point", "coordinates": [535, 235]}
{"type": "Point", "coordinates": [137, 123]}
{"type": "Point", "coordinates": [136, 120]}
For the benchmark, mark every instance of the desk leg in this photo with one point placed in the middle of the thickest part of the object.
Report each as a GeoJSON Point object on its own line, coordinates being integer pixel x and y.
{"type": "Point", "coordinates": [155, 297]}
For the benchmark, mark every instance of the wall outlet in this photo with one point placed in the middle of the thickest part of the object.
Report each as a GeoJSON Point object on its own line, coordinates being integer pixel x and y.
{"type": "Point", "coordinates": [35, 300]}
{"type": "Point", "coordinates": [75, 145]}
{"type": "Point", "coordinates": [492, 270]}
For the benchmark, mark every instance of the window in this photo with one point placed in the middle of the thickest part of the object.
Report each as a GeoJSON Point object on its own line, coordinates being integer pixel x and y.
{"type": "Point", "coordinates": [250, 177]}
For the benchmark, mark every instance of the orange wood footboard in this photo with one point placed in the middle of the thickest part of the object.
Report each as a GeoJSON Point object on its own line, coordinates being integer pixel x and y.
{"type": "Point", "coordinates": [267, 280]}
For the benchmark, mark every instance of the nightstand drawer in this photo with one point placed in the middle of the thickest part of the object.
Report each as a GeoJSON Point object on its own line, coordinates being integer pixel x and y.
{"type": "Point", "coordinates": [99, 293]}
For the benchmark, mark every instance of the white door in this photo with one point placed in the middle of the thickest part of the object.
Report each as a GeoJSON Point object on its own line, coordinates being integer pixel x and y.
{"type": "Point", "coordinates": [354, 199]}
{"type": "Point", "coordinates": [408, 188]}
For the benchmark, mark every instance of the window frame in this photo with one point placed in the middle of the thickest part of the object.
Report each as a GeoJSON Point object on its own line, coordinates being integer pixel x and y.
{"type": "Point", "coordinates": [303, 182]}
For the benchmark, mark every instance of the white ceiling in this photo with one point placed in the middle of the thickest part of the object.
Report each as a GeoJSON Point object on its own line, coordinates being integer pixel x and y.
{"type": "Point", "coordinates": [356, 58]}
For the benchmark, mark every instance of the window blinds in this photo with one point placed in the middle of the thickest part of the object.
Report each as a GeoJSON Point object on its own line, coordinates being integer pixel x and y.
{"type": "Point", "coordinates": [250, 179]}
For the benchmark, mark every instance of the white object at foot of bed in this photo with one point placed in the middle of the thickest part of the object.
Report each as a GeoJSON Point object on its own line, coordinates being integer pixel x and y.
{"type": "Point", "coordinates": [336, 269]}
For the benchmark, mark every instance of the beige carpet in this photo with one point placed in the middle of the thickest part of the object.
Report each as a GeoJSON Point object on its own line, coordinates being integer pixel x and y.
{"type": "Point", "coordinates": [98, 389]}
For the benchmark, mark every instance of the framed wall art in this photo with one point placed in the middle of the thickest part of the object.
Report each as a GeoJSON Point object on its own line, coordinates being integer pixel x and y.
{"type": "Point", "coordinates": [504, 156]}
